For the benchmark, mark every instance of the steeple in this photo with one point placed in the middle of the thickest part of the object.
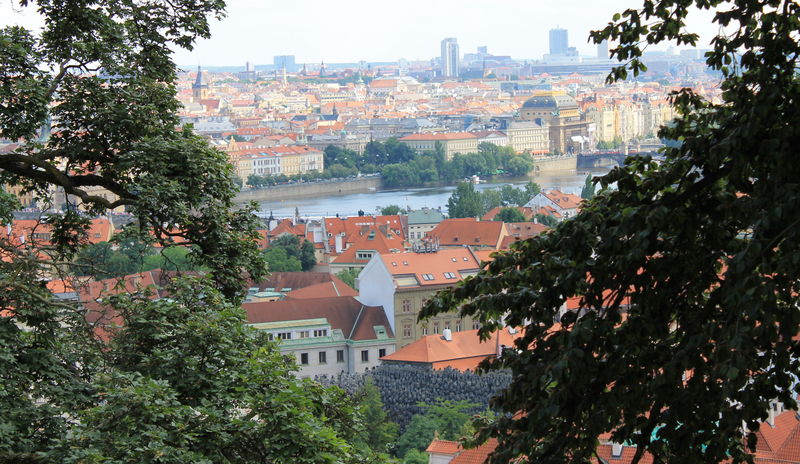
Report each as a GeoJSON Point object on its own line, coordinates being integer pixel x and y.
{"type": "Point", "coordinates": [199, 88]}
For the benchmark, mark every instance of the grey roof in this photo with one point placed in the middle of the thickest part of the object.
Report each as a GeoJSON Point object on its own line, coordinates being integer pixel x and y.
{"type": "Point", "coordinates": [425, 216]}
{"type": "Point", "coordinates": [550, 101]}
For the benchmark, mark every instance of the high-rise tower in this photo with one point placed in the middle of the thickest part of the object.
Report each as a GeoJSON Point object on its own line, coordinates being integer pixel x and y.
{"type": "Point", "coordinates": [450, 57]}
{"type": "Point", "coordinates": [559, 43]}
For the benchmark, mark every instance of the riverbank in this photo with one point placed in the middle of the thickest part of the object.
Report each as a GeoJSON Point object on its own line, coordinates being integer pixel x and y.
{"type": "Point", "coordinates": [310, 189]}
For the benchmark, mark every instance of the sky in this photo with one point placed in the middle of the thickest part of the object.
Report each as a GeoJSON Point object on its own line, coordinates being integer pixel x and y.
{"type": "Point", "coordinates": [381, 30]}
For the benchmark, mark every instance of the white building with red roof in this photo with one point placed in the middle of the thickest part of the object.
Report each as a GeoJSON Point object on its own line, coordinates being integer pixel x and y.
{"type": "Point", "coordinates": [565, 204]}
{"type": "Point", "coordinates": [402, 282]}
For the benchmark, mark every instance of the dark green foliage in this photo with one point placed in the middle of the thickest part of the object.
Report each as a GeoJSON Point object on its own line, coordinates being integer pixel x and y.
{"type": "Point", "coordinates": [186, 381]}
{"type": "Point", "coordinates": [510, 215]}
{"type": "Point", "coordinates": [587, 192]}
{"type": "Point", "coordinates": [614, 144]}
{"type": "Point", "coordinates": [465, 202]}
{"type": "Point", "coordinates": [448, 418]}
{"type": "Point", "coordinates": [287, 254]}
{"type": "Point", "coordinates": [379, 432]}
{"type": "Point", "coordinates": [545, 219]}
{"type": "Point", "coordinates": [391, 210]}
{"type": "Point", "coordinates": [692, 265]}
{"type": "Point", "coordinates": [427, 167]}
{"type": "Point", "coordinates": [103, 72]}
{"type": "Point", "coordinates": [349, 276]}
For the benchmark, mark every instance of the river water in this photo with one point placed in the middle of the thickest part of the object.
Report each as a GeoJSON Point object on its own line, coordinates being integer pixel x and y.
{"type": "Point", "coordinates": [431, 197]}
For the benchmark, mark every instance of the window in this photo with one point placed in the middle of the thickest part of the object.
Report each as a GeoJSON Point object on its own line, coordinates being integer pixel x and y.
{"type": "Point", "coordinates": [427, 276]}
{"type": "Point", "coordinates": [323, 357]}
{"type": "Point", "coordinates": [458, 326]}
{"type": "Point", "coordinates": [304, 334]}
{"type": "Point", "coordinates": [436, 328]}
{"type": "Point", "coordinates": [425, 330]}
{"type": "Point", "coordinates": [270, 337]}
{"type": "Point", "coordinates": [364, 356]}
{"type": "Point", "coordinates": [362, 255]}
{"type": "Point", "coordinates": [382, 352]}
{"type": "Point", "coordinates": [406, 306]}
{"type": "Point", "coordinates": [304, 359]}
{"type": "Point", "coordinates": [339, 356]}
{"type": "Point", "coordinates": [407, 330]}
{"type": "Point", "coordinates": [321, 332]}
{"type": "Point", "coordinates": [449, 275]}
{"type": "Point", "coordinates": [284, 335]}
{"type": "Point", "coordinates": [476, 325]}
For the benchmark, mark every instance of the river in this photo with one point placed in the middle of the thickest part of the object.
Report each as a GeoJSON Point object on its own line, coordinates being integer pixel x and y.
{"type": "Point", "coordinates": [415, 198]}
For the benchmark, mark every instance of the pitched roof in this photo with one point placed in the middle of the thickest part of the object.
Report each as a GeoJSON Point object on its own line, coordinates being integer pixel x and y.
{"type": "Point", "coordinates": [335, 287]}
{"type": "Point", "coordinates": [444, 267]}
{"type": "Point", "coordinates": [373, 239]}
{"type": "Point", "coordinates": [468, 231]}
{"type": "Point", "coordinates": [444, 447]}
{"type": "Point", "coordinates": [345, 313]}
{"type": "Point", "coordinates": [564, 200]}
{"type": "Point", "coordinates": [292, 280]}
{"type": "Point", "coordinates": [463, 352]}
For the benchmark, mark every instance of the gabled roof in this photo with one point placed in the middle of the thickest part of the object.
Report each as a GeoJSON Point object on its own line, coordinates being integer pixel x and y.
{"type": "Point", "coordinates": [468, 231]}
{"type": "Point", "coordinates": [336, 287]}
{"type": "Point", "coordinates": [463, 352]}
{"type": "Point", "coordinates": [344, 313]}
{"type": "Point", "coordinates": [293, 280]}
{"type": "Point", "coordinates": [444, 447]}
{"type": "Point", "coordinates": [564, 200]}
{"type": "Point", "coordinates": [370, 238]}
{"type": "Point", "coordinates": [444, 267]}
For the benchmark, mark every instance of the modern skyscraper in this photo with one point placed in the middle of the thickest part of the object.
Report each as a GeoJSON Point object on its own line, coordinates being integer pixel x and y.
{"type": "Point", "coordinates": [602, 50]}
{"type": "Point", "coordinates": [450, 57]}
{"type": "Point", "coordinates": [559, 43]}
{"type": "Point", "coordinates": [284, 61]}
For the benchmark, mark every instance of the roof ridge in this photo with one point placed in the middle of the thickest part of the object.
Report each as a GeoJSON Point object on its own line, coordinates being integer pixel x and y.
{"type": "Point", "coordinates": [355, 323]}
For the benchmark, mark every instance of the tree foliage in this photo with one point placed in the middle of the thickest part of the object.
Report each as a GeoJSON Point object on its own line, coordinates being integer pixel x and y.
{"type": "Point", "coordinates": [510, 215]}
{"type": "Point", "coordinates": [688, 271]}
{"type": "Point", "coordinates": [90, 101]}
{"type": "Point", "coordinates": [379, 432]}
{"type": "Point", "coordinates": [99, 79]}
{"type": "Point", "coordinates": [465, 201]}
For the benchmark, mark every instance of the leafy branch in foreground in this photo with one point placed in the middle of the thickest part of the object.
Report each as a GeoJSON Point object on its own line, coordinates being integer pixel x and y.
{"type": "Point", "coordinates": [687, 272]}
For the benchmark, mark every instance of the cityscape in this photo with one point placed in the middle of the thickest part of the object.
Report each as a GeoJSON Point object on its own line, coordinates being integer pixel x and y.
{"type": "Point", "coordinates": [465, 258]}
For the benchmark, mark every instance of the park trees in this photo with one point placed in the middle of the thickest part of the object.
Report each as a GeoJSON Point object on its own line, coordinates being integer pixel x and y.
{"type": "Point", "coordinates": [688, 270]}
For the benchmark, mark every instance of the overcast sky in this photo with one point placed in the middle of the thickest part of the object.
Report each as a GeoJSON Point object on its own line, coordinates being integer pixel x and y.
{"type": "Point", "coordinates": [382, 30]}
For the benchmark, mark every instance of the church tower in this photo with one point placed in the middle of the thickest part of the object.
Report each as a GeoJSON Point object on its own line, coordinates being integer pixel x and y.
{"type": "Point", "coordinates": [199, 88]}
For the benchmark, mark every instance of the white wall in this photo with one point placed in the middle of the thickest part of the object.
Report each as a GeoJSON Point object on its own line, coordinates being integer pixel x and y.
{"type": "Point", "coordinates": [376, 288]}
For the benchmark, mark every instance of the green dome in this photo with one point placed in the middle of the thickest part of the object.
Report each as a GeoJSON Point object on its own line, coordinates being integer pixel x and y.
{"type": "Point", "coordinates": [550, 102]}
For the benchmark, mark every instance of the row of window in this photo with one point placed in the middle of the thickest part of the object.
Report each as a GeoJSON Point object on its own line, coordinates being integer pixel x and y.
{"type": "Point", "coordinates": [300, 334]}
{"type": "Point", "coordinates": [323, 356]}
{"type": "Point", "coordinates": [408, 328]}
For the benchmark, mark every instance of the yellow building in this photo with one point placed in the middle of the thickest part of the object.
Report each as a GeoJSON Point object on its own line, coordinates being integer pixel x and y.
{"type": "Point", "coordinates": [452, 142]}
{"type": "Point", "coordinates": [560, 112]}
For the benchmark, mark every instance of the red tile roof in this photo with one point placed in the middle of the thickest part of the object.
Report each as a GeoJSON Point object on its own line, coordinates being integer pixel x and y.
{"type": "Point", "coordinates": [463, 352]}
{"type": "Point", "coordinates": [468, 231]}
{"type": "Point", "coordinates": [336, 287]}
{"type": "Point", "coordinates": [444, 267]}
{"type": "Point", "coordinates": [444, 447]}
{"type": "Point", "coordinates": [355, 320]}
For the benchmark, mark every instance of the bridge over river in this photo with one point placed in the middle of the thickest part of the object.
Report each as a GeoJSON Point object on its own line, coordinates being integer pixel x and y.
{"type": "Point", "coordinates": [610, 158]}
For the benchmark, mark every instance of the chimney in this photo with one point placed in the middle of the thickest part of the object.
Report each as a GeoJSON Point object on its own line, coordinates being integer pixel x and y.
{"type": "Point", "coordinates": [447, 334]}
{"type": "Point", "coordinates": [338, 243]}
{"type": "Point", "coordinates": [616, 450]}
